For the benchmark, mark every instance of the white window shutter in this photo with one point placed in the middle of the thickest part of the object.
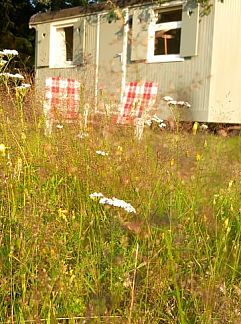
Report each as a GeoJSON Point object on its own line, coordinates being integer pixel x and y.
{"type": "Point", "coordinates": [140, 24]}
{"type": "Point", "coordinates": [78, 42]}
{"type": "Point", "coordinates": [43, 43]}
{"type": "Point", "coordinates": [190, 26]}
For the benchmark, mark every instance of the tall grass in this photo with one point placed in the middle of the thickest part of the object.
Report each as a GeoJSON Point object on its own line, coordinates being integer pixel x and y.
{"type": "Point", "coordinates": [65, 258]}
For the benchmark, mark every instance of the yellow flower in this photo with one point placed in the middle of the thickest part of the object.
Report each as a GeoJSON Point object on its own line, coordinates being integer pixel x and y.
{"type": "Point", "coordinates": [226, 223]}
{"type": "Point", "coordinates": [194, 128]}
{"type": "Point", "coordinates": [120, 148]}
{"type": "Point", "coordinates": [172, 162]}
{"type": "Point", "coordinates": [230, 184]}
{"type": "Point", "coordinates": [3, 149]}
{"type": "Point", "coordinates": [23, 136]}
{"type": "Point", "coordinates": [198, 157]}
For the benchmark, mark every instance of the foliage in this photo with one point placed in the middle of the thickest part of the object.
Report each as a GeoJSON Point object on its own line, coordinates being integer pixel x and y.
{"type": "Point", "coordinates": [14, 31]}
{"type": "Point", "coordinates": [60, 4]}
{"type": "Point", "coordinates": [206, 5]}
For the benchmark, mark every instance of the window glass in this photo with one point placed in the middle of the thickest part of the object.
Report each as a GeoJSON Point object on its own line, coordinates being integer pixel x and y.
{"type": "Point", "coordinates": [167, 42]}
{"type": "Point", "coordinates": [69, 43]}
{"type": "Point", "coordinates": [168, 16]}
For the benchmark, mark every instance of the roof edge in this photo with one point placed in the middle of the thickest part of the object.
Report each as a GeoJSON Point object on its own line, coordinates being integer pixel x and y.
{"type": "Point", "coordinates": [44, 17]}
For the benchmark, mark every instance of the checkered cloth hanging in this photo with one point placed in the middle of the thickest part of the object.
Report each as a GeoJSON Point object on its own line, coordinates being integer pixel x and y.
{"type": "Point", "coordinates": [62, 99]}
{"type": "Point", "coordinates": [137, 98]}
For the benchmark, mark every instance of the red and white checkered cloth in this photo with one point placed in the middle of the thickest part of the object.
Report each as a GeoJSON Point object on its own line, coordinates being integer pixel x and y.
{"type": "Point", "coordinates": [62, 99]}
{"type": "Point", "coordinates": [137, 98]}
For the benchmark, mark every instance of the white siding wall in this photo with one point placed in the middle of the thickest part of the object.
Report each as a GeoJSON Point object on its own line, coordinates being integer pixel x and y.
{"type": "Point", "coordinates": [225, 95]}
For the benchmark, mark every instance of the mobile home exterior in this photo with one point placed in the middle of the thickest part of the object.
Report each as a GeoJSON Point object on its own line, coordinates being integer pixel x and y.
{"type": "Point", "coordinates": [193, 58]}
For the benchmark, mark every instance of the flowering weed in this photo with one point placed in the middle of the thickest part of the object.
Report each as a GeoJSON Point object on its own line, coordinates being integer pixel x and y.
{"type": "Point", "coordinates": [70, 249]}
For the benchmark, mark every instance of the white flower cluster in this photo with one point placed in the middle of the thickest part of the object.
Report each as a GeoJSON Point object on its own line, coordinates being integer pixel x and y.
{"type": "Point", "coordinates": [113, 202]}
{"type": "Point", "coordinates": [17, 78]}
{"type": "Point", "coordinates": [95, 195]}
{"type": "Point", "coordinates": [172, 102]}
{"type": "Point", "coordinates": [82, 135]}
{"type": "Point", "coordinates": [10, 75]}
{"type": "Point", "coordinates": [203, 127]}
{"type": "Point", "coordinates": [168, 98]}
{"type": "Point", "coordinates": [118, 203]}
{"type": "Point", "coordinates": [24, 86]}
{"type": "Point", "coordinates": [156, 120]}
{"type": "Point", "coordinates": [102, 153]}
{"type": "Point", "coordinates": [8, 52]}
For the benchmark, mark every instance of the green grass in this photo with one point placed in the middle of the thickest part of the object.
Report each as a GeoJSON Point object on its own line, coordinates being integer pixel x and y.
{"type": "Point", "coordinates": [63, 255]}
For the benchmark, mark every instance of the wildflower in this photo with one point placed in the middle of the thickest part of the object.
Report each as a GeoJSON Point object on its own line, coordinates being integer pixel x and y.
{"type": "Point", "coordinates": [148, 122]}
{"type": "Point", "coordinates": [184, 104]}
{"type": "Point", "coordinates": [10, 75]}
{"type": "Point", "coordinates": [96, 195]}
{"type": "Point", "coordinates": [102, 153]}
{"type": "Point", "coordinates": [194, 128]}
{"type": "Point", "coordinates": [119, 148]}
{"type": "Point", "coordinates": [162, 125]}
{"type": "Point", "coordinates": [230, 184]}
{"type": "Point", "coordinates": [59, 126]}
{"type": "Point", "coordinates": [23, 136]}
{"type": "Point", "coordinates": [127, 281]}
{"type": "Point", "coordinates": [187, 104]}
{"type": "Point", "coordinates": [226, 222]}
{"type": "Point", "coordinates": [198, 157]}
{"type": "Point", "coordinates": [17, 76]}
{"type": "Point", "coordinates": [168, 98]}
{"type": "Point", "coordinates": [62, 214]}
{"type": "Point", "coordinates": [118, 203]}
{"type": "Point", "coordinates": [172, 102]}
{"type": "Point", "coordinates": [2, 149]}
{"type": "Point", "coordinates": [156, 119]}
{"type": "Point", "coordinates": [23, 86]}
{"type": "Point", "coordinates": [82, 135]}
{"type": "Point", "coordinates": [204, 127]}
{"type": "Point", "coordinates": [9, 52]}
{"type": "Point", "coordinates": [113, 202]}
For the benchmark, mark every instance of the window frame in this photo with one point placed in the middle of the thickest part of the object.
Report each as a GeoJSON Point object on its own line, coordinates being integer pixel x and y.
{"type": "Point", "coordinates": [54, 45]}
{"type": "Point", "coordinates": [153, 28]}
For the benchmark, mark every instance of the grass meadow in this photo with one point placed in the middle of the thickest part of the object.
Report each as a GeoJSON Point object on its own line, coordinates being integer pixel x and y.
{"type": "Point", "coordinates": [66, 258]}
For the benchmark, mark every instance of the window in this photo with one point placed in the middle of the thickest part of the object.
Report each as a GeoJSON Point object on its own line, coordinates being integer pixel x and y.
{"type": "Point", "coordinates": [63, 46]}
{"type": "Point", "coordinates": [166, 33]}
{"type": "Point", "coordinates": [164, 37]}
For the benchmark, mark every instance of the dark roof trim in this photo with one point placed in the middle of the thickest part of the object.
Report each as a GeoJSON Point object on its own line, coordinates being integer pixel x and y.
{"type": "Point", "coordinates": [78, 11]}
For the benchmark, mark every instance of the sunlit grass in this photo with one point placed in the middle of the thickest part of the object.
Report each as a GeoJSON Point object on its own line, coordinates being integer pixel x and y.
{"type": "Point", "coordinates": [65, 255]}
